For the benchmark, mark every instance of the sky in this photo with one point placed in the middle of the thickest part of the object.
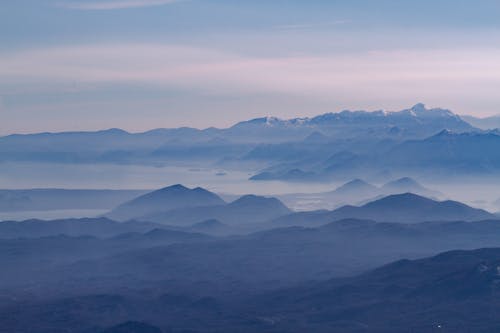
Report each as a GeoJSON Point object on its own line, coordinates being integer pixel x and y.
{"type": "Point", "coordinates": [70, 65]}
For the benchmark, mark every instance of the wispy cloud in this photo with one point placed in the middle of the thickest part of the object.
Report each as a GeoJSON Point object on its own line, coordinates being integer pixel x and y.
{"type": "Point", "coordinates": [113, 4]}
{"type": "Point", "coordinates": [443, 77]}
{"type": "Point", "coordinates": [301, 26]}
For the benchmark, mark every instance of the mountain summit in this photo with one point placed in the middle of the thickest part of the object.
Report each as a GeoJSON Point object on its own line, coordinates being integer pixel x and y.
{"type": "Point", "coordinates": [165, 199]}
{"type": "Point", "coordinates": [407, 185]}
{"type": "Point", "coordinates": [356, 187]}
{"type": "Point", "coordinates": [411, 208]}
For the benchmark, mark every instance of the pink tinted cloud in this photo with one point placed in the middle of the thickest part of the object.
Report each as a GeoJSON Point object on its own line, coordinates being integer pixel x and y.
{"type": "Point", "coordinates": [437, 75]}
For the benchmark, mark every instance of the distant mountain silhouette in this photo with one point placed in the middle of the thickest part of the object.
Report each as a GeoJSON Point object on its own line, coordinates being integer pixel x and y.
{"type": "Point", "coordinates": [360, 193]}
{"type": "Point", "coordinates": [400, 208]}
{"type": "Point", "coordinates": [417, 121]}
{"type": "Point", "coordinates": [406, 185]}
{"type": "Point", "coordinates": [212, 227]}
{"type": "Point", "coordinates": [97, 227]}
{"type": "Point", "coordinates": [411, 208]}
{"type": "Point", "coordinates": [487, 123]}
{"type": "Point", "coordinates": [454, 291]}
{"type": "Point", "coordinates": [316, 137]}
{"type": "Point", "coordinates": [161, 235]}
{"type": "Point", "coordinates": [356, 187]}
{"type": "Point", "coordinates": [246, 209]}
{"type": "Point", "coordinates": [165, 199]}
{"type": "Point", "coordinates": [451, 292]}
{"type": "Point", "coordinates": [447, 154]}
{"type": "Point", "coordinates": [253, 204]}
{"type": "Point", "coordinates": [116, 146]}
{"type": "Point", "coordinates": [352, 192]}
{"type": "Point", "coordinates": [187, 281]}
{"type": "Point", "coordinates": [470, 152]}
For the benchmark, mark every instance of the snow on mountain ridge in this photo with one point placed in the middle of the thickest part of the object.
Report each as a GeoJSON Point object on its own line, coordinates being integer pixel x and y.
{"type": "Point", "coordinates": [418, 111]}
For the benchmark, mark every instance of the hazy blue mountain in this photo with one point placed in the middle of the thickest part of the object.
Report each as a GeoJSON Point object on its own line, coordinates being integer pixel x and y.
{"type": "Point", "coordinates": [248, 209]}
{"type": "Point", "coordinates": [407, 185]}
{"type": "Point", "coordinates": [446, 154]}
{"type": "Point", "coordinates": [355, 188]}
{"type": "Point", "coordinates": [29, 260]}
{"type": "Point", "coordinates": [118, 146]}
{"type": "Point", "coordinates": [358, 144]}
{"type": "Point", "coordinates": [486, 123]}
{"type": "Point", "coordinates": [239, 264]}
{"type": "Point", "coordinates": [412, 120]}
{"type": "Point", "coordinates": [211, 227]}
{"type": "Point", "coordinates": [156, 237]}
{"type": "Point", "coordinates": [163, 200]}
{"type": "Point", "coordinates": [97, 227]}
{"type": "Point", "coordinates": [52, 199]}
{"type": "Point", "coordinates": [400, 208]}
{"type": "Point", "coordinates": [64, 141]}
{"type": "Point", "coordinates": [352, 192]}
{"type": "Point", "coordinates": [154, 283]}
{"type": "Point", "coordinates": [288, 175]}
{"type": "Point", "coordinates": [451, 292]}
{"type": "Point", "coordinates": [105, 140]}
{"type": "Point", "coordinates": [471, 152]}
{"type": "Point", "coordinates": [355, 192]}
{"type": "Point", "coordinates": [333, 146]}
{"type": "Point", "coordinates": [68, 147]}
{"type": "Point", "coordinates": [316, 138]}
{"type": "Point", "coordinates": [417, 121]}
{"type": "Point", "coordinates": [338, 159]}
{"type": "Point", "coordinates": [312, 136]}
{"type": "Point", "coordinates": [454, 291]}
{"type": "Point", "coordinates": [411, 208]}
{"type": "Point", "coordinates": [257, 205]}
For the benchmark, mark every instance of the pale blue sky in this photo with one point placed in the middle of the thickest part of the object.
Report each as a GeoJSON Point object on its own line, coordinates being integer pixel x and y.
{"type": "Point", "coordinates": [141, 64]}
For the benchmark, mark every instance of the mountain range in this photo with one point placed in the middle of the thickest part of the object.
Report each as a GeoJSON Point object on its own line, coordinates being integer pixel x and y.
{"type": "Point", "coordinates": [407, 184]}
{"type": "Point", "coordinates": [99, 227]}
{"type": "Point", "coordinates": [229, 264]}
{"type": "Point", "coordinates": [444, 155]}
{"type": "Point", "coordinates": [417, 121]}
{"type": "Point", "coordinates": [410, 207]}
{"type": "Point", "coordinates": [455, 291]}
{"type": "Point", "coordinates": [398, 208]}
{"type": "Point", "coordinates": [355, 187]}
{"type": "Point", "coordinates": [236, 142]}
{"type": "Point", "coordinates": [418, 142]}
{"type": "Point", "coordinates": [183, 260]}
{"type": "Point", "coordinates": [277, 280]}
{"type": "Point", "coordinates": [180, 206]}
{"type": "Point", "coordinates": [356, 192]}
